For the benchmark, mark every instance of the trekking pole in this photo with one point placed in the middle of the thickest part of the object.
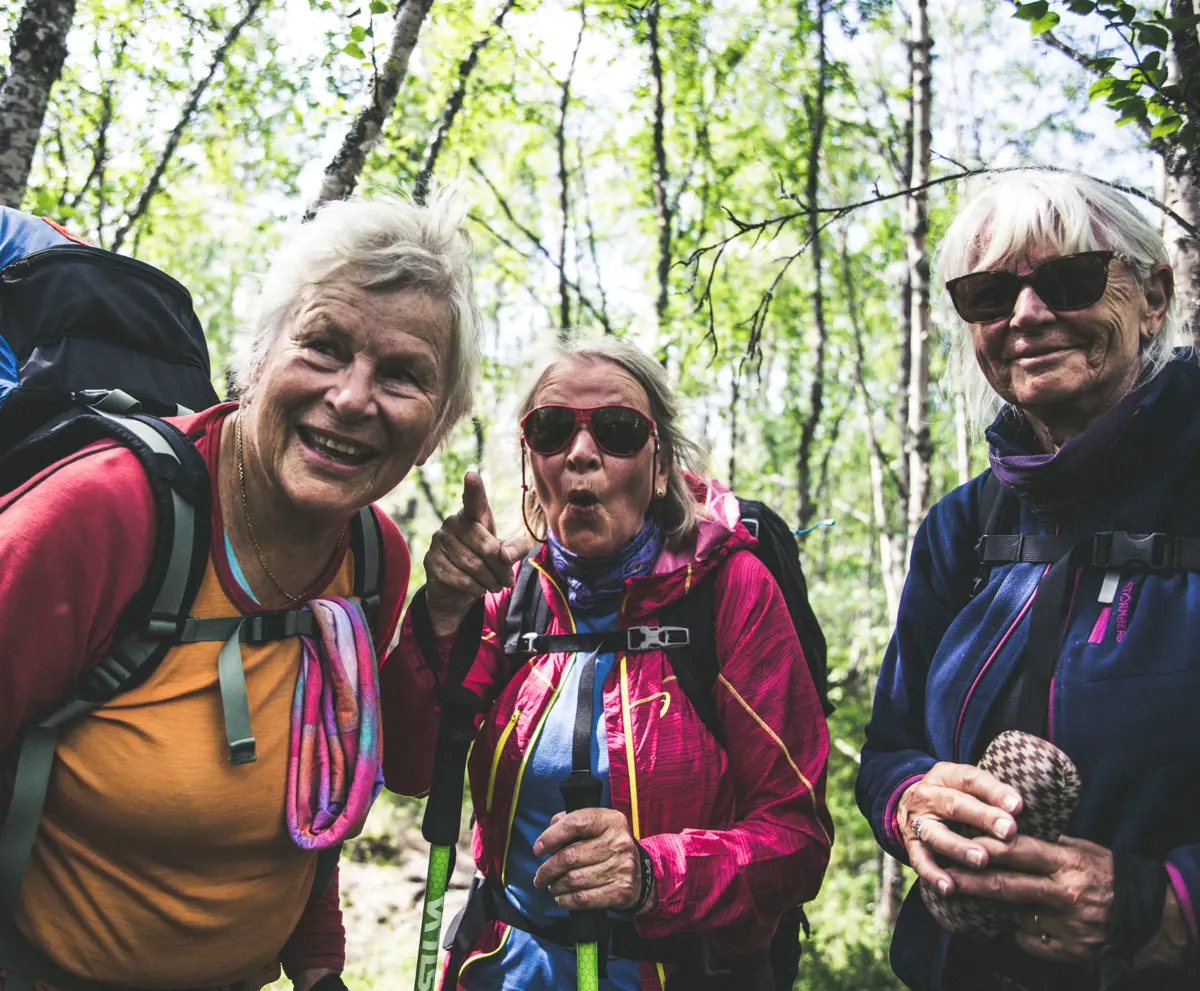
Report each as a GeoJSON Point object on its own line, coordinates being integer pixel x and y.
{"type": "Point", "coordinates": [443, 810]}
{"type": "Point", "coordinates": [581, 789]}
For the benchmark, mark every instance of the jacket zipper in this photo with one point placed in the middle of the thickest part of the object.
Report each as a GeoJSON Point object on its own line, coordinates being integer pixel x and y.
{"type": "Point", "coordinates": [533, 739]}
{"type": "Point", "coordinates": [509, 727]}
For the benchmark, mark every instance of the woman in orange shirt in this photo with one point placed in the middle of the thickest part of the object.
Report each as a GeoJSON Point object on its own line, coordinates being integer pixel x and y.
{"type": "Point", "coordinates": [166, 857]}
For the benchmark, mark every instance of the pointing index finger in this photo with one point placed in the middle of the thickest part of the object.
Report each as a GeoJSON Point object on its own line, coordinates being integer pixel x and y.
{"type": "Point", "coordinates": [475, 502]}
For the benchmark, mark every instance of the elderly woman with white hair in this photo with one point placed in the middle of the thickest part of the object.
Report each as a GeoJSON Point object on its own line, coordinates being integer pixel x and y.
{"type": "Point", "coordinates": [1033, 751]}
{"type": "Point", "coordinates": [606, 774]}
{"type": "Point", "coordinates": [165, 858]}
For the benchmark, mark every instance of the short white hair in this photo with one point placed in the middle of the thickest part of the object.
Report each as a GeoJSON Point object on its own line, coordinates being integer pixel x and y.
{"type": "Point", "coordinates": [1067, 212]}
{"type": "Point", "coordinates": [380, 244]}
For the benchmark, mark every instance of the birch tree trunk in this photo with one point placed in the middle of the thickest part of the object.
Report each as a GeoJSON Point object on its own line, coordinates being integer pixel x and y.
{"type": "Point", "coordinates": [919, 442]}
{"type": "Point", "coordinates": [662, 205]}
{"type": "Point", "coordinates": [36, 56]}
{"type": "Point", "coordinates": [816, 130]}
{"type": "Point", "coordinates": [1181, 175]}
{"type": "Point", "coordinates": [342, 174]}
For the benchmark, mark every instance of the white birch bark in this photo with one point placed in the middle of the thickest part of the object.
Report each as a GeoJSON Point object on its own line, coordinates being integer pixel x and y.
{"type": "Point", "coordinates": [36, 56]}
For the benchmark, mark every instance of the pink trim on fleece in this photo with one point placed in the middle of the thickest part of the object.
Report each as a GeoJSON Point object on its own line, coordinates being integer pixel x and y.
{"type": "Point", "coordinates": [1101, 627]}
{"type": "Point", "coordinates": [1185, 900]}
{"type": "Point", "coordinates": [890, 826]}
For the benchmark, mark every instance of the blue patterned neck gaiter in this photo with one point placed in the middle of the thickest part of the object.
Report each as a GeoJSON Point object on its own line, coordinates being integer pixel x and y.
{"type": "Point", "coordinates": [594, 584]}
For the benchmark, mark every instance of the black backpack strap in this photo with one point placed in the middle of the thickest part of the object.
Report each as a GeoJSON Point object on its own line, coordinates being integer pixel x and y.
{"type": "Point", "coordinates": [327, 861]}
{"type": "Point", "coordinates": [144, 634]}
{"type": "Point", "coordinates": [697, 667]}
{"type": "Point", "coordinates": [994, 504]}
{"type": "Point", "coordinates": [366, 544]}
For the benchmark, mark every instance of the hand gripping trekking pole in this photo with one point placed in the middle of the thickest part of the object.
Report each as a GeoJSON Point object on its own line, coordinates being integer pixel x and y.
{"type": "Point", "coordinates": [443, 810]}
{"type": "Point", "coordinates": [581, 789]}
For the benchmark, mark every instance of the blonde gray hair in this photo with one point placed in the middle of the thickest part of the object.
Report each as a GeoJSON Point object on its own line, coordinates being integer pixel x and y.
{"type": "Point", "coordinates": [382, 244]}
{"type": "Point", "coordinates": [677, 509]}
{"type": "Point", "coordinates": [1066, 212]}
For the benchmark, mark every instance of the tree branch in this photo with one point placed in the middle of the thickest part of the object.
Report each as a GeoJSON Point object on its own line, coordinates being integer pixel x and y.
{"type": "Point", "coordinates": [661, 205]}
{"type": "Point", "coordinates": [534, 240]}
{"type": "Point", "coordinates": [341, 176]}
{"type": "Point", "coordinates": [591, 236]}
{"type": "Point", "coordinates": [459, 94]}
{"type": "Point", "coordinates": [185, 118]}
{"type": "Point", "coordinates": [564, 205]}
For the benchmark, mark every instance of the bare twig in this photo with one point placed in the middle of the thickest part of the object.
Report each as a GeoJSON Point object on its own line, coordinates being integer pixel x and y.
{"type": "Point", "coordinates": [591, 234]}
{"type": "Point", "coordinates": [458, 96]}
{"type": "Point", "coordinates": [534, 240]}
{"type": "Point", "coordinates": [181, 125]}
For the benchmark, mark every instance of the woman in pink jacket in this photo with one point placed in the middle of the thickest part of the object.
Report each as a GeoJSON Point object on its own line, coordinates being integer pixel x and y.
{"type": "Point", "coordinates": [697, 842]}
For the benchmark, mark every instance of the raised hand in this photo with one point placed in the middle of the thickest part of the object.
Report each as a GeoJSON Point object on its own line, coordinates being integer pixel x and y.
{"type": "Point", "coordinates": [466, 559]}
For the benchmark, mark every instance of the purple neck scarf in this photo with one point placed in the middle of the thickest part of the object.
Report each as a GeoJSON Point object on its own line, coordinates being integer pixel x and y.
{"type": "Point", "coordinates": [1091, 461]}
{"type": "Point", "coordinates": [334, 772]}
{"type": "Point", "coordinates": [595, 584]}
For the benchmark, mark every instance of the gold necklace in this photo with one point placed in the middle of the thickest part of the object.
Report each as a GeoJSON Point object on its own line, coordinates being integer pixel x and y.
{"type": "Point", "coordinates": [250, 526]}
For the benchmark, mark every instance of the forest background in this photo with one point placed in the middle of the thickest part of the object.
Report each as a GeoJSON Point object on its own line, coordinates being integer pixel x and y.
{"type": "Point", "coordinates": [748, 188]}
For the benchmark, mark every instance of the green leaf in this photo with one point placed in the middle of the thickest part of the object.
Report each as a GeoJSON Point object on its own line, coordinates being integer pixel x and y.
{"type": "Point", "coordinates": [354, 50]}
{"type": "Point", "coordinates": [1032, 11]}
{"type": "Point", "coordinates": [1168, 125]}
{"type": "Point", "coordinates": [1081, 6]}
{"type": "Point", "coordinates": [1101, 87]}
{"type": "Point", "coordinates": [1153, 35]}
{"type": "Point", "coordinates": [1177, 24]}
{"type": "Point", "coordinates": [1104, 64]}
{"type": "Point", "coordinates": [358, 33]}
{"type": "Point", "coordinates": [379, 7]}
{"type": "Point", "coordinates": [1044, 23]}
{"type": "Point", "coordinates": [1127, 12]}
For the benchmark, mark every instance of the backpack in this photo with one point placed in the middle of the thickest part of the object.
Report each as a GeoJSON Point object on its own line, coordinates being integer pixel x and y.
{"type": "Point", "coordinates": [100, 342]}
{"type": "Point", "coordinates": [688, 634]}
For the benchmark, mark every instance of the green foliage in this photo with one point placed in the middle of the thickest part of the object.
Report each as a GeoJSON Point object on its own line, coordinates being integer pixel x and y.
{"type": "Point", "coordinates": [1136, 85]}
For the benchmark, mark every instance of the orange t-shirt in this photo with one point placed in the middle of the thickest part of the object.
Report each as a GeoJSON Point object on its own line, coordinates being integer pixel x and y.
{"type": "Point", "coordinates": [158, 863]}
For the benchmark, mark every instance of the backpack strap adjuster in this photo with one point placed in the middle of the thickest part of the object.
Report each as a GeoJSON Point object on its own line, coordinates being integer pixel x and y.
{"type": "Point", "coordinates": [643, 638]}
{"type": "Point", "coordinates": [1155, 551]}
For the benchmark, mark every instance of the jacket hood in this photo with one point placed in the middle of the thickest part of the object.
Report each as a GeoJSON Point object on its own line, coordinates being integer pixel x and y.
{"type": "Point", "coordinates": [719, 532]}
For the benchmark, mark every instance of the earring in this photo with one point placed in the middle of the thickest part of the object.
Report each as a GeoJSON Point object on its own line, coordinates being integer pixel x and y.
{"type": "Point", "coordinates": [659, 493]}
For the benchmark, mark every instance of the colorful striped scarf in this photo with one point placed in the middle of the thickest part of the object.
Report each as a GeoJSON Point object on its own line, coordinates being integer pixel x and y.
{"type": "Point", "coordinates": [334, 772]}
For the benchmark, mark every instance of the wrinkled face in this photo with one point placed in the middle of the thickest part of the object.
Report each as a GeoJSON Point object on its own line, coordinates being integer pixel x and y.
{"type": "Point", "coordinates": [1070, 362]}
{"type": "Point", "coordinates": [348, 395]}
{"type": "Point", "coordinates": [594, 502]}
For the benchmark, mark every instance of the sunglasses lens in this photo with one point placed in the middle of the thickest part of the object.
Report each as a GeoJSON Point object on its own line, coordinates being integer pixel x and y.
{"type": "Point", "coordinates": [548, 428]}
{"type": "Point", "coordinates": [984, 296]}
{"type": "Point", "coordinates": [1072, 282]}
{"type": "Point", "coordinates": [620, 430]}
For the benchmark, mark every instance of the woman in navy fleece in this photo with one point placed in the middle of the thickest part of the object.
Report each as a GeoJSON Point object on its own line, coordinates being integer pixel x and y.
{"type": "Point", "coordinates": [1068, 323]}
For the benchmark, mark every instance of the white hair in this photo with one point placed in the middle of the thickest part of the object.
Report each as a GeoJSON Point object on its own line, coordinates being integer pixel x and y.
{"type": "Point", "coordinates": [677, 509]}
{"type": "Point", "coordinates": [1067, 212]}
{"type": "Point", "coordinates": [382, 244]}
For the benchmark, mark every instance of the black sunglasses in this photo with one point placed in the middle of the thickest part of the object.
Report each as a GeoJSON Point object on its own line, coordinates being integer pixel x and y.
{"type": "Point", "coordinates": [621, 431]}
{"type": "Point", "coordinates": [1071, 282]}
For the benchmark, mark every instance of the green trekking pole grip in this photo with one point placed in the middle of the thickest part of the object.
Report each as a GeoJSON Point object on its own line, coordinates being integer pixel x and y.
{"type": "Point", "coordinates": [440, 827]}
{"type": "Point", "coordinates": [588, 927]}
{"type": "Point", "coordinates": [443, 810]}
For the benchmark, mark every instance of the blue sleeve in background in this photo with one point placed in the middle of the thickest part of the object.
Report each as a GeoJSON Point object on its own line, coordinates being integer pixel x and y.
{"type": "Point", "coordinates": [20, 235]}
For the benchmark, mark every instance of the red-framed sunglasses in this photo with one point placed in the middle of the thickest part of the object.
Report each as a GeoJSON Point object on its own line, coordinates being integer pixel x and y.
{"type": "Point", "coordinates": [621, 431]}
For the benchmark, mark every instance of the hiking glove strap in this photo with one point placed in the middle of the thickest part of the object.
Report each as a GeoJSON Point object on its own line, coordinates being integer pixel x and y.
{"type": "Point", "coordinates": [233, 700]}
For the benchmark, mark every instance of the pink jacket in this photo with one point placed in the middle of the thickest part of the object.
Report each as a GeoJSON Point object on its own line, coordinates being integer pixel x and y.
{"type": "Point", "coordinates": [737, 835]}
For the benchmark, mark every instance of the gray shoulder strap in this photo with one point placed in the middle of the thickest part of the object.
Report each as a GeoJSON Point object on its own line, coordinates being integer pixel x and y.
{"type": "Point", "coordinates": [121, 666]}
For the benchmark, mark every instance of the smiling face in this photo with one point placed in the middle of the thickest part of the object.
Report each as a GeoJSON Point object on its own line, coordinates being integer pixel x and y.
{"type": "Point", "coordinates": [594, 502]}
{"type": "Point", "coordinates": [347, 397]}
{"type": "Point", "coordinates": [1066, 368]}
